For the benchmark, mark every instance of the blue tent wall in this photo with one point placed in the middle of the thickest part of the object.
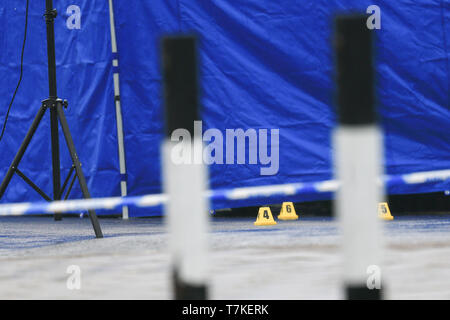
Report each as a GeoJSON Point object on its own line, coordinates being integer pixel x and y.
{"type": "Point", "coordinates": [264, 64]}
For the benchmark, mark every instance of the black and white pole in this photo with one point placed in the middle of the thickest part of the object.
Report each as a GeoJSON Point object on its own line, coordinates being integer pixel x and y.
{"type": "Point", "coordinates": [358, 159]}
{"type": "Point", "coordinates": [119, 119]}
{"type": "Point", "coordinates": [185, 180]}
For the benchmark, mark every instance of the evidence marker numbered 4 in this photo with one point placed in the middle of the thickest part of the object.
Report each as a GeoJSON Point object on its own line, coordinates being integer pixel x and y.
{"type": "Point", "coordinates": [230, 309]}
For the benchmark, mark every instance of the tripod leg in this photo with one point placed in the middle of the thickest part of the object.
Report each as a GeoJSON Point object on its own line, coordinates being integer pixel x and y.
{"type": "Point", "coordinates": [55, 159]}
{"type": "Point", "coordinates": [22, 149]}
{"type": "Point", "coordinates": [78, 170]}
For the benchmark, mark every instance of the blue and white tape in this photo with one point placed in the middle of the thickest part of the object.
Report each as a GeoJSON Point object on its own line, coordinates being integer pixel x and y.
{"type": "Point", "coordinates": [236, 194]}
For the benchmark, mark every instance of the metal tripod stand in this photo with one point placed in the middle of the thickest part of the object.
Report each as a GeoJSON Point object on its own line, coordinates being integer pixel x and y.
{"type": "Point", "coordinates": [55, 105]}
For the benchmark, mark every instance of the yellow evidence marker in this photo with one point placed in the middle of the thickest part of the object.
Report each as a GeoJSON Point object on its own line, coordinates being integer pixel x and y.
{"type": "Point", "coordinates": [287, 212]}
{"type": "Point", "coordinates": [265, 217]}
{"type": "Point", "coordinates": [384, 212]}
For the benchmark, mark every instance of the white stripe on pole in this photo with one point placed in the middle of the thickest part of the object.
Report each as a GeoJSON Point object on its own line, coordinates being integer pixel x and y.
{"type": "Point", "coordinates": [187, 216]}
{"type": "Point", "coordinates": [120, 135]}
{"type": "Point", "coordinates": [358, 154]}
{"type": "Point", "coordinates": [112, 27]}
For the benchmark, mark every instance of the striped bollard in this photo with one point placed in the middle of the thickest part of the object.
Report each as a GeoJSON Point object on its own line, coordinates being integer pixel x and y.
{"type": "Point", "coordinates": [358, 148]}
{"type": "Point", "coordinates": [184, 182]}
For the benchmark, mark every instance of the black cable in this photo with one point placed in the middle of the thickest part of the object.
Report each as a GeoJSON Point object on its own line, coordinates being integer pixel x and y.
{"type": "Point", "coordinates": [21, 72]}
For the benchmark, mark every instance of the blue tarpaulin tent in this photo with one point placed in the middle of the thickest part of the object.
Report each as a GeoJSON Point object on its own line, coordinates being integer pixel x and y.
{"type": "Point", "coordinates": [264, 65]}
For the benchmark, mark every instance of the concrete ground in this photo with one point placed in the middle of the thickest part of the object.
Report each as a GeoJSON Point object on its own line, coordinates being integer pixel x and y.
{"type": "Point", "coordinates": [292, 260]}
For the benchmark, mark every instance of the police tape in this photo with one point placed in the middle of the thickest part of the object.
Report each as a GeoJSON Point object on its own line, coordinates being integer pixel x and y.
{"type": "Point", "coordinates": [235, 194]}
